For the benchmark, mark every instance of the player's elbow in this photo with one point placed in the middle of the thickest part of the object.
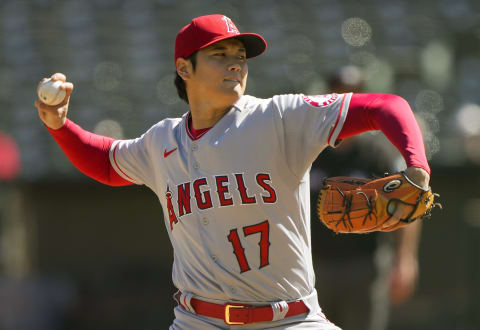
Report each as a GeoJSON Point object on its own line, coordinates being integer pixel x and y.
{"type": "Point", "coordinates": [394, 102]}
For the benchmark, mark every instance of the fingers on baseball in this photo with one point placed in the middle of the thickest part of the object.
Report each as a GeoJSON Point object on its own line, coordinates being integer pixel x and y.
{"type": "Point", "coordinates": [53, 109]}
{"type": "Point", "coordinates": [58, 76]}
{"type": "Point", "coordinates": [67, 87]}
{"type": "Point", "coordinates": [44, 107]}
{"type": "Point", "coordinates": [401, 212]}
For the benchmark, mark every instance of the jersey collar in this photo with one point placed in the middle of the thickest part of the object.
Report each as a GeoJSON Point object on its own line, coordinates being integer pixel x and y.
{"type": "Point", "coordinates": [191, 132]}
{"type": "Point", "coordinates": [239, 105]}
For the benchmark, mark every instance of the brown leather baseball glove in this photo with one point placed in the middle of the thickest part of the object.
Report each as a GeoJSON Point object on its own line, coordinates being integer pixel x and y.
{"type": "Point", "coordinates": [356, 205]}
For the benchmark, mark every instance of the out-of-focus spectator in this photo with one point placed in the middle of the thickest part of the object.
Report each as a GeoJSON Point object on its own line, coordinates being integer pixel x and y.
{"type": "Point", "coordinates": [9, 158]}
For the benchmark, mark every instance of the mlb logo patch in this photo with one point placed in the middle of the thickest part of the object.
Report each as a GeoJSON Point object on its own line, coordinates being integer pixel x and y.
{"type": "Point", "coordinates": [320, 101]}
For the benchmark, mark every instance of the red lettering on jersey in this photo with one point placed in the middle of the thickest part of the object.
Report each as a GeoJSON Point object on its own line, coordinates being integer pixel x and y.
{"type": "Point", "coordinates": [171, 213]}
{"type": "Point", "coordinates": [261, 180]}
{"type": "Point", "coordinates": [205, 201]}
{"type": "Point", "coordinates": [184, 199]}
{"type": "Point", "coordinates": [264, 229]}
{"type": "Point", "coordinates": [222, 190]}
{"type": "Point", "coordinates": [238, 250]}
{"type": "Point", "coordinates": [243, 191]}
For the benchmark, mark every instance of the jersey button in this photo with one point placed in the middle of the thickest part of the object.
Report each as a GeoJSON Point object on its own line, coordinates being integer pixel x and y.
{"type": "Point", "coordinates": [205, 221]}
{"type": "Point", "coordinates": [214, 258]}
{"type": "Point", "coordinates": [196, 166]}
{"type": "Point", "coordinates": [233, 289]}
{"type": "Point", "coordinates": [194, 146]}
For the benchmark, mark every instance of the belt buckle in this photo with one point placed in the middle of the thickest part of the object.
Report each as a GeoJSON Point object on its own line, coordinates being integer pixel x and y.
{"type": "Point", "coordinates": [227, 314]}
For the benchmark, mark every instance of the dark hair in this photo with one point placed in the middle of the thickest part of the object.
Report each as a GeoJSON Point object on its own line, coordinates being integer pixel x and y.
{"type": "Point", "coordinates": [180, 83]}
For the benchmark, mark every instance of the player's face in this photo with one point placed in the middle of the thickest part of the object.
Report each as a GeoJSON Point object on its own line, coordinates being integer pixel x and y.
{"type": "Point", "coordinates": [221, 71]}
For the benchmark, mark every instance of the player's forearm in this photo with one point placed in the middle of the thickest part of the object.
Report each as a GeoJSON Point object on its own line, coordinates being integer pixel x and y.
{"type": "Point", "coordinates": [88, 152]}
{"type": "Point", "coordinates": [393, 116]}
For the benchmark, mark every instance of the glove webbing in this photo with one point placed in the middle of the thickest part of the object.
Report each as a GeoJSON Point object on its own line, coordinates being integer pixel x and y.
{"type": "Point", "coordinates": [347, 202]}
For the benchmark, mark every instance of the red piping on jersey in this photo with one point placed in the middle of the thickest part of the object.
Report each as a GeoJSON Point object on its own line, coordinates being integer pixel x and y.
{"type": "Point", "coordinates": [116, 164]}
{"type": "Point", "coordinates": [193, 133]}
{"type": "Point", "coordinates": [338, 119]}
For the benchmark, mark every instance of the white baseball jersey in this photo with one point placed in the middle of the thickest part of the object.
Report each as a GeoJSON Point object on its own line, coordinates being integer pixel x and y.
{"type": "Point", "coordinates": [236, 200]}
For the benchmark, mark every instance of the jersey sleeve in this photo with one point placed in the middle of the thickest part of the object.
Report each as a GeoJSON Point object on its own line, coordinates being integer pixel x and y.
{"type": "Point", "coordinates": [131, 159]}
{"type": "Point", "coordinates": [392, 115]}
{"type": "Point", "coordinates": [88, 152]}
{"type": "Point", "coordinates": [310, 124]}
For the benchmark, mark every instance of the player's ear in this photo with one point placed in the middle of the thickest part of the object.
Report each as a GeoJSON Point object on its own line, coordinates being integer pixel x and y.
{"type": "Point", "coordinates": [184, 68]}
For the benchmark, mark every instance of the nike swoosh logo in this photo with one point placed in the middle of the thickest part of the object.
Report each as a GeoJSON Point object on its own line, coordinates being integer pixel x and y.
{"type": "Point", "coordinates": [167, 153]}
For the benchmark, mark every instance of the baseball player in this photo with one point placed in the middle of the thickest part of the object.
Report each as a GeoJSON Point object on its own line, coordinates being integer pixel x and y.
{"type": "Point", "coordinates": [232, 176]}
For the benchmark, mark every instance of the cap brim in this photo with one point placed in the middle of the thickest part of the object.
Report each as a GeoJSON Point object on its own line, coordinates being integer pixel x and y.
{"type": "Point", "coordinates": [254, 43]}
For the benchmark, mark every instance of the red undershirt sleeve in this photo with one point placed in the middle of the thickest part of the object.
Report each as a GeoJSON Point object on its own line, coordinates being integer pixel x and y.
{"type": "Point", "coordinates": [392, 115]}
{"type": "Point", "coordinates": [88, 152]}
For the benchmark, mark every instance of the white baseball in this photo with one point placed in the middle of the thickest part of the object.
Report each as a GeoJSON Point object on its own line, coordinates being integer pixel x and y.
{"type": "Point", "coordinates": [49, 92]}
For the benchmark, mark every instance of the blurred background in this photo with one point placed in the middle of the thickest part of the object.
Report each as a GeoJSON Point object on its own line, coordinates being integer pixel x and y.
{"type": "Point", "coordinates": [75, 254]}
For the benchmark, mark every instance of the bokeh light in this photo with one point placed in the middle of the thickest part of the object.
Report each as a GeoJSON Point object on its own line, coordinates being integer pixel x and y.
{"type": "Point", "coordinates": [351, 75]}
{"type": "Point", "coordinates": [379, 76]}
{"type": "Point", "coordinates": [109, 127]}
{"type": "Point", "coordinates": [356, 31]}
{"type": "Point", "coordinates": [468, 119]}
{"type": "Point", "coordinates": [436, 63]}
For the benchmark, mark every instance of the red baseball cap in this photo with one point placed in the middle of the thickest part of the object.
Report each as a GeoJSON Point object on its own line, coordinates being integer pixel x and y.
{"type": "Point", "coordinates": [206, 30]}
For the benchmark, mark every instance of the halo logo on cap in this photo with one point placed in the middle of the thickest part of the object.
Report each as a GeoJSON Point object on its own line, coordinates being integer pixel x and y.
{"type": "Point", "coordinates": [231, 28]}
{"type": "Point", "coordinates": [206, 30]}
